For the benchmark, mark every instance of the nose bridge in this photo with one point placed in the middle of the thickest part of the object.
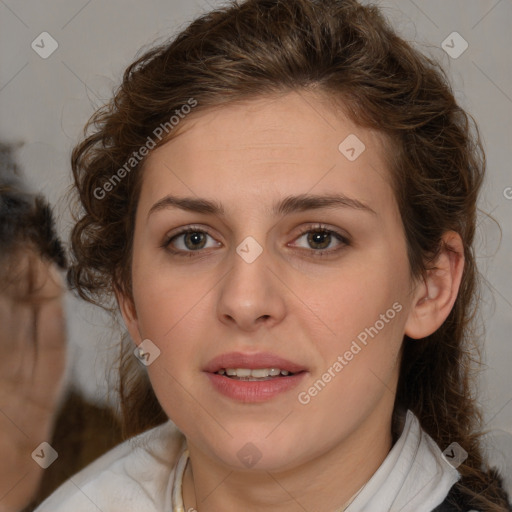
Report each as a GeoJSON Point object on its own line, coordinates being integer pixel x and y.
{"type": "Point", "coordinates": [249, 290]}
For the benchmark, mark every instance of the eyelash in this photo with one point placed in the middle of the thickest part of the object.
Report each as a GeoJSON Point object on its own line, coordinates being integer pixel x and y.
{"type": "Point", "coordinates": [320, 228]}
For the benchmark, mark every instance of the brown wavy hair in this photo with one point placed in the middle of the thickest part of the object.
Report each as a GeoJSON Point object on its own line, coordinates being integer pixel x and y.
{"type": "Point", "coordinates": [349, 53]}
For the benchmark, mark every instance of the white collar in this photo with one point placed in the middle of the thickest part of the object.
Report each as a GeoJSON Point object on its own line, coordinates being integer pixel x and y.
{"type": "Point", "coordinates": [414, 477]}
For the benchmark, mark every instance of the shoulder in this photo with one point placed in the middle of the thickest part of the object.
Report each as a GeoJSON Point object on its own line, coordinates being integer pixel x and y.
{"type": "Point", "coordinates": [132, 476]}
{"type": "Point", "coordinates": [458, 501]}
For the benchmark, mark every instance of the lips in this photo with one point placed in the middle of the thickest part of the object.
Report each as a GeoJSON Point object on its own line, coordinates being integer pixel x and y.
{"type": "Point", "coordinates": [252, 362]}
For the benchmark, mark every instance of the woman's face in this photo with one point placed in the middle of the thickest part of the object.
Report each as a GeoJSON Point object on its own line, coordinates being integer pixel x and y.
{"type": "Point", "coordinates": [298, 261]}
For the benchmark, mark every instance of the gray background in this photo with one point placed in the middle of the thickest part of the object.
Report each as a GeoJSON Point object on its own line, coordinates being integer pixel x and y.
{"type": "Point", "coordinates": [45, 103]}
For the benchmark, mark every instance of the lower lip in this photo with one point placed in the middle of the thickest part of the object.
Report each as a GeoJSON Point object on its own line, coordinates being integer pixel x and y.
{"type": "Point", "coordinates": [254, 391]}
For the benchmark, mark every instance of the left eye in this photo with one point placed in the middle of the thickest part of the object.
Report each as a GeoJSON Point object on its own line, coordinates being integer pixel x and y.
{"type": "Point", "coordinates": [320, 239]}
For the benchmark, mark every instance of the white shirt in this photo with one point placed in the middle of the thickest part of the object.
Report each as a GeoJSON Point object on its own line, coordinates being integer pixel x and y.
{"type": "Point", "coordinates": [140, 474]}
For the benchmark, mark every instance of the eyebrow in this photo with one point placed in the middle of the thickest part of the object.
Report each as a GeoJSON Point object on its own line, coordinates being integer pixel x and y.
{"type": "Point", "coordinates": [290, 204]}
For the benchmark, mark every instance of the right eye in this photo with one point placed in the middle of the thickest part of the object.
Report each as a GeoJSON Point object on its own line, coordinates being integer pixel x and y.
{"type": "Point", "coordinates": [187, 242]}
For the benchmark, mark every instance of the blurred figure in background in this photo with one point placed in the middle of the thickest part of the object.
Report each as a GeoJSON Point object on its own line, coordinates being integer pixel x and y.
{"type": "Point", "coordinates": [36, 406]}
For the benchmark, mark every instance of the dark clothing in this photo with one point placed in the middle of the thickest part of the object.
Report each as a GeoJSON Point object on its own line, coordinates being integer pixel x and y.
{"type": "Point", "coordinates": [457, 501]}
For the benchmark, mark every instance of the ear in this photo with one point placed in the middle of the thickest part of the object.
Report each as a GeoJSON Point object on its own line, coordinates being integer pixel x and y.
{"type": "Point", "coordinates": [435, 296]}
{"type": "Point", "coordinates": [129, 314]}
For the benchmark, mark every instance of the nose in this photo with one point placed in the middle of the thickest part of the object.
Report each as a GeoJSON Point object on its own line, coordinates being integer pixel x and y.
{"type": "Point", "coordinates": [250, 295]}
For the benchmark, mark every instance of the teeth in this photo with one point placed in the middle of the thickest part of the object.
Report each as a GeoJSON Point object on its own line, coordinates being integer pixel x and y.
{"type": "Point", "coordinates": [260, 373]}
{"type": "Point", "coordinates": [245, 372]}
{"type": "Point", "coordinates": [257, 373]}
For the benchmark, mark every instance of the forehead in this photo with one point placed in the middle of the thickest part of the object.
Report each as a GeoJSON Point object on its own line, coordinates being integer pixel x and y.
{"type": "Point", "coordinates": [272, 146]}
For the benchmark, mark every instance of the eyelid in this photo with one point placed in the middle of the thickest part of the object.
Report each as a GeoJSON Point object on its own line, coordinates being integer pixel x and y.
{"type": "Point", "coordinates": [319, 226]}
{"type": "Point", "coordinates": [183, 231]}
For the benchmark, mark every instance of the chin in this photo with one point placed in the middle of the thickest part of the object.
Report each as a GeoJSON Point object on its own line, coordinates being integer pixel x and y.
{"type": "Point", "coordinates": [247, 453]}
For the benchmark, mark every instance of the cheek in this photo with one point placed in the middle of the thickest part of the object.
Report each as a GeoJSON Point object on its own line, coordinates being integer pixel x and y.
{"type": "Point", "coordinates": [172, 324]}
{"type": "Point", "coordinates": [171, 306]}
{"type": "Point", "coordinates": [162, 295]}
{"type": "Point", "coordinates": [356, 295]}
{"type": "Point", "coordinates": [363, 313]}
{"type": "Point", "coordinates": [359, 368]}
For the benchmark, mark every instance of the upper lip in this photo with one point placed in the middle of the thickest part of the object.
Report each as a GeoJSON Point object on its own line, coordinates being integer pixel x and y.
{"type": "Point", "coordinates": [252, 362]}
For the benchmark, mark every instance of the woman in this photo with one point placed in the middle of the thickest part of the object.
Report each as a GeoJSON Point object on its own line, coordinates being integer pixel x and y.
{"type": "Point", "coordinates": [282, 201]}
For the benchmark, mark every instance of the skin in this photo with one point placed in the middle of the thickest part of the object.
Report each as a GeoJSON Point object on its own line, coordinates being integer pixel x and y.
{"type": "Point", "coordinates": [32, 364]}
{"type": "Point", "coordinates": [306, 309]}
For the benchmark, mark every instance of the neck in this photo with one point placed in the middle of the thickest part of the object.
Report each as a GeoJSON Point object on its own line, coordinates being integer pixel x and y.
{"type": "Point", "coordinates": [326, 482]}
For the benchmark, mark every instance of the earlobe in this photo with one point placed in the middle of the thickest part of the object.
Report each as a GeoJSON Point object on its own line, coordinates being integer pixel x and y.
{"type": "Point", "coordinates": [129, 314]}
{"type": "Point", "coordinates": [435, 296]}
